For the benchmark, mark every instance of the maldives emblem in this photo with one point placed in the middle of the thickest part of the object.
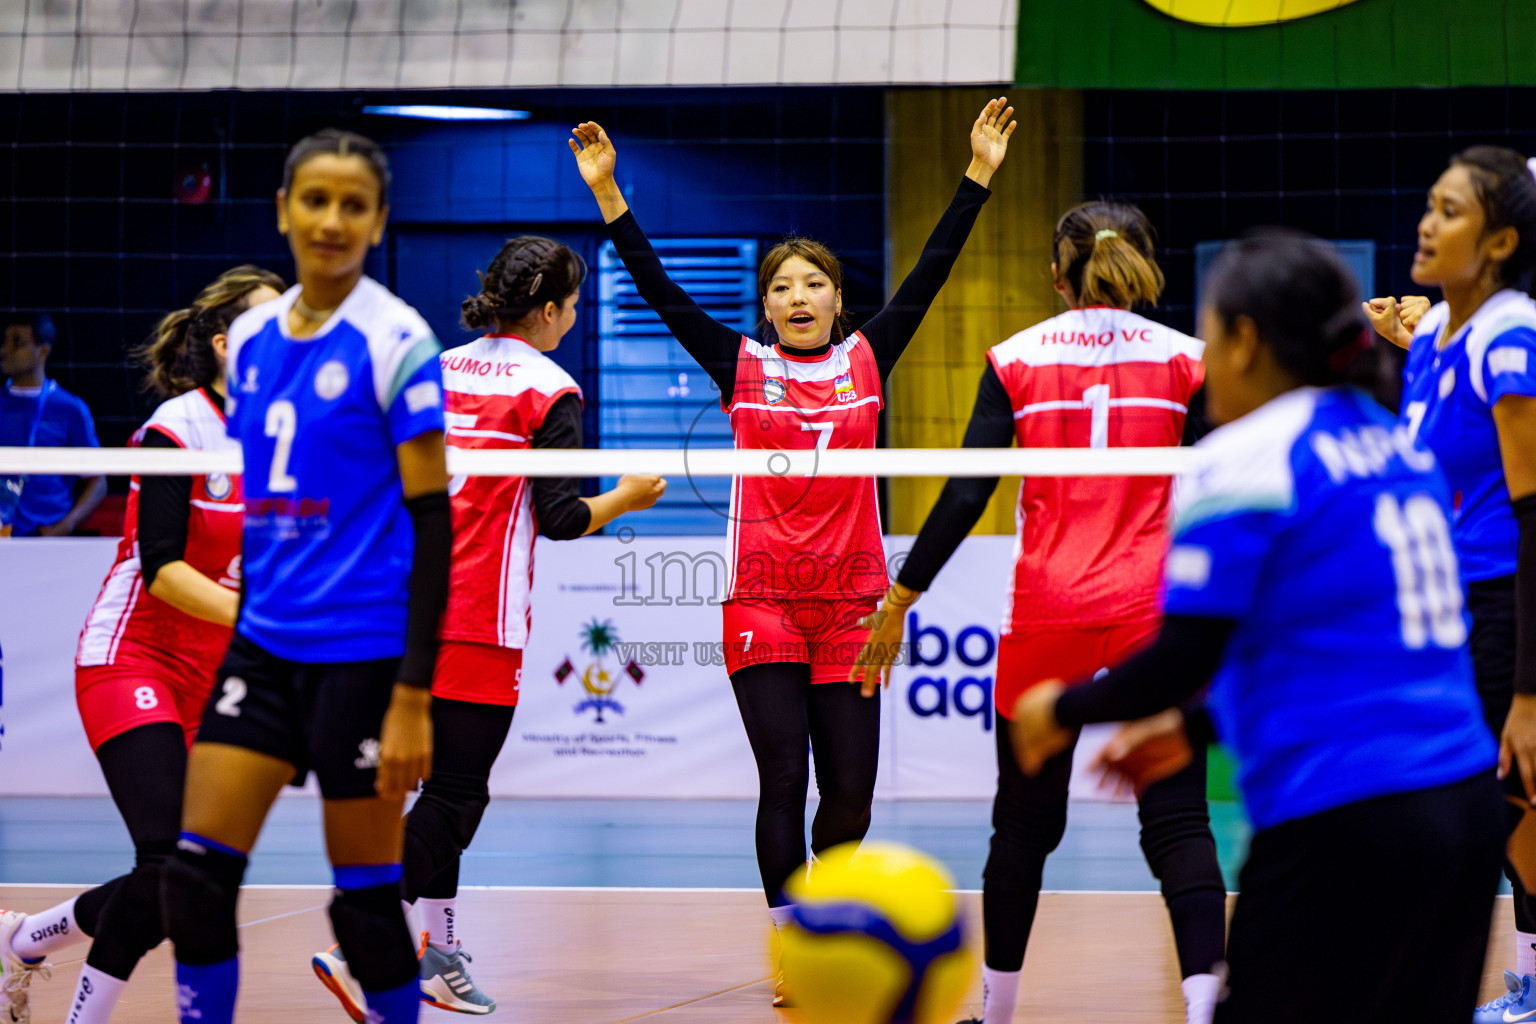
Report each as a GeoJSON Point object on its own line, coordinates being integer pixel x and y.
{"type": "Point", "coordinates": [774, 390]}
{"type": "Point", "coordinates": [603, 673]}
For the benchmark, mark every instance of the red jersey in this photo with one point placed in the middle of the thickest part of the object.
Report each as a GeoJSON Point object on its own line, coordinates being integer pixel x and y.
{"type": "Point", "coordinates": [800, 536]}
{"type": "Point", "coordinates": [497, 392]}
{"type": "Point", "coordinates": [129, 625]}
{"type": "Point", "coordinates": [1090, 549]}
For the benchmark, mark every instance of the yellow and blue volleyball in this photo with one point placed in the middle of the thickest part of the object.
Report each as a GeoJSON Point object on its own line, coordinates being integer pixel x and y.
{"type": "Point", "coordinates": [876, 937]}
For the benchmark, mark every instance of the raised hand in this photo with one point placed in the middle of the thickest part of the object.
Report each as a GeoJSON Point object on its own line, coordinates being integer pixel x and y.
{"type": "Point", "coordinates": [989, 139]}
{"type": "Point", "coordinates": [595, 155]}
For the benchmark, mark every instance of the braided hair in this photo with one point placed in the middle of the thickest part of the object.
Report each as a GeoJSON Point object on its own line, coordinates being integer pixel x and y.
{"type": "Point", "coordinates": [528, 272]}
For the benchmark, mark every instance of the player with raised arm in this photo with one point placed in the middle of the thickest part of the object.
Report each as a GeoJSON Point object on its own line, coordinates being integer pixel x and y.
{"type": "Point", "coordinates": [150, 646]}
{"type": "Point", "coordinates": [335, 396]}
{"type": "Point", "coordinates": [503, 393]}
{"type": "Point", "coordinates": [806, 556]}
{"type": "Point", "coordinates": [1312, 583]}
{"type": "Point", "coordinates": [1469, 394]}
{"type": "Point", "coordinates": [1085, 582]}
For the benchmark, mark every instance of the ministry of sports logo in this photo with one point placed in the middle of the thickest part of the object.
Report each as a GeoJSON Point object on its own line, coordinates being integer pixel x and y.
{"type": "Point", "coordinates": [603, 673]}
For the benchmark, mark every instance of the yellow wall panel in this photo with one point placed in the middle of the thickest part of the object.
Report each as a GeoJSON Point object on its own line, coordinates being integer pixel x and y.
{"type": "Point", "coordinates": [1000, 285]}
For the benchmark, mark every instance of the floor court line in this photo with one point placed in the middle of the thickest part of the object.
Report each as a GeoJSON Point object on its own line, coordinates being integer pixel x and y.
{"type": "Point", "coordinates": [593, 956]}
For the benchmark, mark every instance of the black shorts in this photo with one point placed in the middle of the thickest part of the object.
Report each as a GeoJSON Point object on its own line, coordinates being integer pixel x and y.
{"type": "Point", "coordinates": [321, 718]}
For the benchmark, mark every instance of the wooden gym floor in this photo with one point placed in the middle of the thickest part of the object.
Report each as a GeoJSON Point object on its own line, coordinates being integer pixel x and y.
{"type": "Point", "coordinates": [610, 956]}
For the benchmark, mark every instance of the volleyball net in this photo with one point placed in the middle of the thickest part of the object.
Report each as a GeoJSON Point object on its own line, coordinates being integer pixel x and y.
{"type": "Point", "coordinates": [669, 462]}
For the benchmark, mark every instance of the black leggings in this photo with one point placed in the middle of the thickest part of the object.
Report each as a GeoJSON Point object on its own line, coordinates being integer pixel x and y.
{"type": "Point", "coordinates": [146, 771]}
{"type": "Point", "coordinates": [1311, 943]}
{"type": "Point", "coordinates": [467, 739]}
{"type": "Point", "coordinates": [1492, 604]}
{"type": "Point", "coordinates": [1029, 817]}
{"type": "Point", "coordinates": [783, 714]}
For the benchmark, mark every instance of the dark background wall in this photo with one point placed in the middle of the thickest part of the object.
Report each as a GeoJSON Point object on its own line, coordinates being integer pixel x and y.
{"type": "Point", "coordinates": [93, 233]}
{"type": "Point", "coordinates": [1340, 164]}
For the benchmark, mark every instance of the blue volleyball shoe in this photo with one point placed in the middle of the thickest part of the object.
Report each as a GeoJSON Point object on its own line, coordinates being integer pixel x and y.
{"type": "Point", "coordinates": [1515, 1006]}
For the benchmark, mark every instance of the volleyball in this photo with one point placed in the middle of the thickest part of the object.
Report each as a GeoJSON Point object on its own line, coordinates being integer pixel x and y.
{"type": "Point", "coordinates": [875, 938]}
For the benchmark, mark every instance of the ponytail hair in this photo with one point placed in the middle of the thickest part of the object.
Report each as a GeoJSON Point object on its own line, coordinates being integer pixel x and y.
{"type": "Point", "coordinates": [1505, 186]}
{"type": "Point", "coordinates": [180, 355]}
{"type": "Point", "coordinates": [1104, 250]}
{"type": "Point", "coordinates": [1300, 296]}
{"type": "Point", "coordinates": [529, 271]}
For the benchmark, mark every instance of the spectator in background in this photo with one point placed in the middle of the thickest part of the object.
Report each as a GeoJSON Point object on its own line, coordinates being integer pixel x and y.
{"type": "Point", "coordinates": [36, 412]}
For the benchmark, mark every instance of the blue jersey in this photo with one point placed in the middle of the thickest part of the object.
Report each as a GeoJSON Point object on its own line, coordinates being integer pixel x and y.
{"type": "Point", "coordinates": [1448, 399]}
{"type": "Point", "coordinates": [44, 417]}
{"type": "Point", "coordinates": [1323, 531]}
{"type": "Point", "coordinates": [328, 542]}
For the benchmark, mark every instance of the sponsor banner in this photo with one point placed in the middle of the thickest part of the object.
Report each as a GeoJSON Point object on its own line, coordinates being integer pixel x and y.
{"type": "Point", "coordinates": [624, 691]}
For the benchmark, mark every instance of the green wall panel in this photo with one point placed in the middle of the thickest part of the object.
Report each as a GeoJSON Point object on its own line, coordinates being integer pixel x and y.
{"type": "Point", "coordinates": [1371, 44]}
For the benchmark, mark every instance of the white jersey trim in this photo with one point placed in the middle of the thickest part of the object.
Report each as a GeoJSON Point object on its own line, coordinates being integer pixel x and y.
{"type": "Point", "coordinates": [1247, 463]}
{"type": "Point", "coordinates": [1070, 404]}
{"type": "Point", "coordinates": [1096, 337]}
{"type": "Point", "coordinates": [836, 364]}
{"type": "Point", "coordinates": [801, 410]}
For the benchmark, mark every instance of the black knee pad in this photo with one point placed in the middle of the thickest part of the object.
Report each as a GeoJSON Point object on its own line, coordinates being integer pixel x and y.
{"type": "Point", "coordinates": [456, 803]}
{"type": "Point", "coordinates": [131, 925]}
{"type": "Point", "coordinates": [1180, 849]}
{"type": "Point", "coordinates": [371, 931]}
{"type": "Point", "coordinates": [154, 851]}
{"type": "Point", "coordinates": [199, 891]}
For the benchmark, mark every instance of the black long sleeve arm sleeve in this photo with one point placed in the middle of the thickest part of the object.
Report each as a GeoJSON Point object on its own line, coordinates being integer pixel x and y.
{"type": "Point", "coordinates": [432, 527]}
{"type": "Point", "coordinates": [712, 344]}
{"type": "Point", "coordinates": [890, 330]}
{"type": "Point", "coordinates": [165, 504]}
{"type": "Point", "coordinates": [963, 499]}
{"type": "Point", "coordinates": [557, 504]}
{"type": "Point", "coordinates": [1180, 662]}
{"type": "Point", "coordinates": [1525, 596]}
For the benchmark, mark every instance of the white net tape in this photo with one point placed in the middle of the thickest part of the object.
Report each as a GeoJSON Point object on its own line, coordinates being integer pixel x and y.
{"type": "Point", "coordinates": [588, 462]}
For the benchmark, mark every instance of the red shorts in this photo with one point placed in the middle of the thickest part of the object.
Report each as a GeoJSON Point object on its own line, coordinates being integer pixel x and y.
{"type": "Point", "coordinates": [478, 673]}
{"type": "Point", "coordinates": [116, 698]}
{"type": "Point", "coordinates": [823, 632]}
{"type": "Point", "coordinates": [1025, 659]}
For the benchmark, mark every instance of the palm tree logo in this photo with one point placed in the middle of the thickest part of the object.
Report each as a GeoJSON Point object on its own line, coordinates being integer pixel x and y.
{"type": "Point", "coordinates": [601, 675]}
